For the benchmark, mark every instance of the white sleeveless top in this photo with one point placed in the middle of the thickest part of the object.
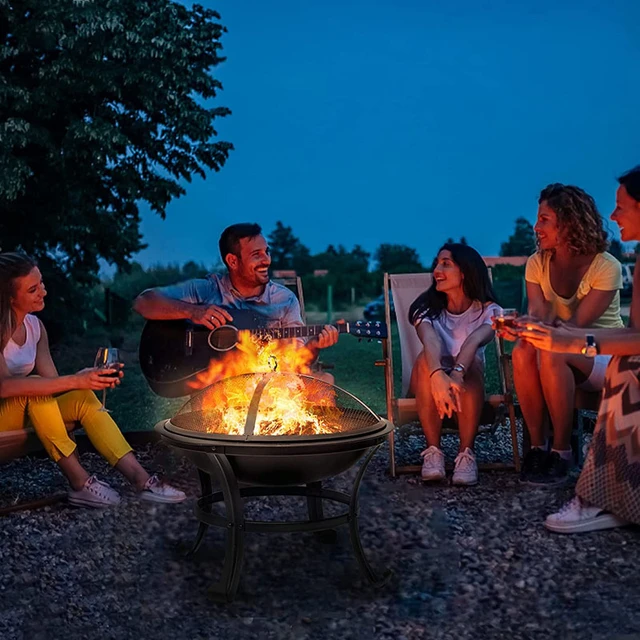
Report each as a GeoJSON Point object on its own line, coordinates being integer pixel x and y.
{"type": "Point", "coordinates": [21, 359]}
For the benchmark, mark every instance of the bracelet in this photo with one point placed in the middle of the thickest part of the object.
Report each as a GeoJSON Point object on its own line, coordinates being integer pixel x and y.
{"type": "Point", "coordinates": [436, 370]}
{"type": "Point", "coordinates": [460, 367]}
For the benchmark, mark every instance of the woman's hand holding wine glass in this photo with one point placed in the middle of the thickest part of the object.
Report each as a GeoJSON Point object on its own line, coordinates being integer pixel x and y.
{"type": "Point", "coordinates": [106, 373]}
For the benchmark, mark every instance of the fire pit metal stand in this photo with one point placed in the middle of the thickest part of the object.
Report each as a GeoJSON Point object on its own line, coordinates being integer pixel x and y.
{"type": "Point", "coordinates": [232, 494]}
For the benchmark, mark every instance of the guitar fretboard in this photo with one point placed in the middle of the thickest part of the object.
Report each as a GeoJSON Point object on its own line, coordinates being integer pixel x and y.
{"type": "Point", "coordinates": [295, 332]}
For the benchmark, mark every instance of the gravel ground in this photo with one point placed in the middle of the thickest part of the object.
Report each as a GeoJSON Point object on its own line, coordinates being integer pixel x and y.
{"type": "Point", "coordinates": [468, 563]}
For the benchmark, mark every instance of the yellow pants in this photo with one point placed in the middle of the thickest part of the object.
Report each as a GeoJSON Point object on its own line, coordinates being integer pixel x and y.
{"type": "Point", "coordinates": [47, 415]}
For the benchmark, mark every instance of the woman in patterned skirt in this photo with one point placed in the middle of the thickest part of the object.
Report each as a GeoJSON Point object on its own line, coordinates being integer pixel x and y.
{"type": "Point", "coordinates": [608, 490]}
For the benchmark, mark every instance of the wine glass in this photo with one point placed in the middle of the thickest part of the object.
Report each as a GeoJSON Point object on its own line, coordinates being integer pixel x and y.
{"type": "Point", "coordinates": [505, 318]}
{"type": "Point", "coordinates": [107, 358]}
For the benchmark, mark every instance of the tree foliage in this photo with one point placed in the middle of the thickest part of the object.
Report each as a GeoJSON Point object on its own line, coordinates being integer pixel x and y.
{"type": "Point", "coordinates": [348, 271]}
{"type": "Point", "coordinates": [397, 258]}
{"type": "Point", "coordinates": [287, 252]}
{"type": "Point", "coordinates": [128, 284]}
{"type": "Point", "coordinates": [105, 105]}
{"type": "Point", "coordinates": [522, 242]}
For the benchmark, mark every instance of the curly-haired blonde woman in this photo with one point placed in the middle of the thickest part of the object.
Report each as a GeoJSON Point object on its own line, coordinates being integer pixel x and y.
{"type": "Point", "coordinates": [573, 280]}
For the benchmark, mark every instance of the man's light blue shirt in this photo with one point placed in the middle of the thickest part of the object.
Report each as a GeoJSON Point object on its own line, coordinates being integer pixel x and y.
{"type": "Point", "coordinates": [277, 304]}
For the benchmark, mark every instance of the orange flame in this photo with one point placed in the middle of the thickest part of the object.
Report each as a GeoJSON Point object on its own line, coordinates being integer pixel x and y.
{"type": "Point", "coordinates": [288, 405]}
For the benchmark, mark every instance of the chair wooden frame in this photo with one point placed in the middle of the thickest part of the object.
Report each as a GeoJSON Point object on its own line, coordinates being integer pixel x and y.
{"type": "Point", "coordinates": [295, 281]}
{"type": "Point", "coordinates": [402, 410]}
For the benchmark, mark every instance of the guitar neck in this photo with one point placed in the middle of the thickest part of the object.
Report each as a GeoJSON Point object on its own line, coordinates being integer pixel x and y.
{"type": "Point", "coordinates": [305, 331]}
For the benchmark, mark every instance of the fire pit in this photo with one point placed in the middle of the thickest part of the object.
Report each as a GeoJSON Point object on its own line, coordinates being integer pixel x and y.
{"type": "Point", "coordinates": [274, 434]}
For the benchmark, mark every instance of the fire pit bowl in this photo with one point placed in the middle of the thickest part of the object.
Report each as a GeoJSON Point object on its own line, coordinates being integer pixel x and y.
{"type": "Point", "coordinates": [274, 434]}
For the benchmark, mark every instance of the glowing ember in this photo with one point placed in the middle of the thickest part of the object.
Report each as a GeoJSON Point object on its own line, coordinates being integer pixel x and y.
{"type": "Point", "coordinates": [288, 405]}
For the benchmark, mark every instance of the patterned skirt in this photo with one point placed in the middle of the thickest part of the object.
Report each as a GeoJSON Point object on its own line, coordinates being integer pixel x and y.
{"type": "Point", "coordinates": [610, 478]}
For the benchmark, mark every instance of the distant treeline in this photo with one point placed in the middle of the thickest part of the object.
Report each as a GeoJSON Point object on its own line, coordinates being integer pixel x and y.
{"type": "Point", "coordinates": [349, 277]}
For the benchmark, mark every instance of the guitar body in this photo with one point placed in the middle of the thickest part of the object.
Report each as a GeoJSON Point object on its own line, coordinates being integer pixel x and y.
{"type": "Point", "coordinates": [173, 352]}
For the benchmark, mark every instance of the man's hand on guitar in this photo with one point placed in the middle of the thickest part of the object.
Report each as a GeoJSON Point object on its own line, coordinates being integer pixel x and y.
{"type": "Point", "coordinates": [210, 316]}
{"type": "Point", "coordinates": [327, 337]}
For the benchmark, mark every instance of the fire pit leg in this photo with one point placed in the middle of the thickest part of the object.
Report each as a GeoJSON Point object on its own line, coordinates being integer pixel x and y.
{"type": "Point", "coordinates": [372, 576]}
{"type": "Point", "coordinates": [207, 489]}
{"type": "Point", "coordinates": [316, 513]}
{"type": "Point", "coordinates": [234, 553]}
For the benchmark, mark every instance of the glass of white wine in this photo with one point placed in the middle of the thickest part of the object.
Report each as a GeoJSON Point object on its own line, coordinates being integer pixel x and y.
{"type": "Point", "coordinates": [108, 358]}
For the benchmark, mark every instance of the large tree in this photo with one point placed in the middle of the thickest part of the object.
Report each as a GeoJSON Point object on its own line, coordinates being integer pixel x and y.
{"type": "Point", "coordinates": [522, 242]}
{"type": "Point", "coordinates": [105, 105]}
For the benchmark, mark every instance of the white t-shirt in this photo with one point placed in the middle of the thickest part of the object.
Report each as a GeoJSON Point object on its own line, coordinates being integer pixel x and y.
{"type": "Point", "coordinates": [453, 329]}
{"type": "Point", "coordinates": [21, 359]}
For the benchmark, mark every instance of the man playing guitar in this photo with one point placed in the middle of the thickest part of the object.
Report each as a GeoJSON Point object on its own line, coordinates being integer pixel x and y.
{"type": "Point", "coordinates": [210, 301]}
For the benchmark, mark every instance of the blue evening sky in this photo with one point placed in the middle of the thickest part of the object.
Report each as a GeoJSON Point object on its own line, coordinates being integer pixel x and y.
{"type": "Point", "coordinates": [409, 121]}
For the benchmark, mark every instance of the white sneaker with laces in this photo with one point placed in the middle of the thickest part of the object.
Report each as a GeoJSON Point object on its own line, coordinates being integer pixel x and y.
{"type": "Point", "coordinates": [579, 517]}
{"type": "Point", "coordinates": [95, 494]}
{"type": "Point", "coordinates": [465, 470]}
{"type": "Point", "coordinates": [432, 464]}
{"type": "Point", "coordinates": [157, 491]}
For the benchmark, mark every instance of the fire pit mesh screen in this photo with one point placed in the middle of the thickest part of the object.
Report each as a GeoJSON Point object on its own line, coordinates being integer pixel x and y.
{"type": "Point", "coordinates": [274, 404]}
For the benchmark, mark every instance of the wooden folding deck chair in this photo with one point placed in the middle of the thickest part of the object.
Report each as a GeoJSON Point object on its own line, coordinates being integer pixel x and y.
{"type": "Point", "coordinates": [405, 288]}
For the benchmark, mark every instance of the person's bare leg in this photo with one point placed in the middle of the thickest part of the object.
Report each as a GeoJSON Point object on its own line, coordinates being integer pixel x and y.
{"type": "Point", "coordinates": [526, 378]}
{"type": "Point", "coordinates": [471, 401]}
{"type": "Point", "coordinates": [427, 412]}
{"type": "Point", "coordinates": [73, 471]}
{"type": "Point", "coordinates": [132, 470]}
{"type": "Point", "coordinates": [559, 388]}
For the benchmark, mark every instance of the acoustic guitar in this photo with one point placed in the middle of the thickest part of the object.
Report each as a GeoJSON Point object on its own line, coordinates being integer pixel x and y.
{"type": "Point", "coordinates": [173, 352]}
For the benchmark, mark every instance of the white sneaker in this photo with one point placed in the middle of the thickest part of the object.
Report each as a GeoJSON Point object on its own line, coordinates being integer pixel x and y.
{"type": "Point", "coordinates": [465, 470]}
{"type": "Point", "coordinates": [95, 494]}
{"type": "Point", "coordinates": [579, 517]}
{"type": "Point", "coordinates": [432, 464]}
{"type": "Point", "coordinates": [157, 491]}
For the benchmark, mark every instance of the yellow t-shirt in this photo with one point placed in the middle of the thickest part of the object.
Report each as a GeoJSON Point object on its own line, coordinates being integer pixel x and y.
{"type": "Point", "coordinates": [604, 274]}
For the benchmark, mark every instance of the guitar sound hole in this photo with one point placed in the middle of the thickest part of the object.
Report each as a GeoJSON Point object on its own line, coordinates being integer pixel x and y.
{"type": "Point", "coordinates": [223, 338]}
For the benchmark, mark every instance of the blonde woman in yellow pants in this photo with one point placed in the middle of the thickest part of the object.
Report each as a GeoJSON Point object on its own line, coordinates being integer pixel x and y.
{"type": "Point", "coordinates": [33, 394]}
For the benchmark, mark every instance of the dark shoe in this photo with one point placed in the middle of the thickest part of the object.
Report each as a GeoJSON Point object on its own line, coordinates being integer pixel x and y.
{"type": "Point", "coordinates": [534, 466]}
{"type": "Point", "coordinates": [557, 470]}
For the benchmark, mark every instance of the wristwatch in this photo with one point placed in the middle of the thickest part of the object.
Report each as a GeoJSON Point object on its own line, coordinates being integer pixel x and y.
{"type": "Point", "coordinates": [590, 348]}
{"type": "Point", "coordinates": [460, 368]}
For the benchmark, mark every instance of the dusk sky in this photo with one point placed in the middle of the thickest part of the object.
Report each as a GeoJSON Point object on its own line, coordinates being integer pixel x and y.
{"type": "Point", "coordinates": [410, 121]}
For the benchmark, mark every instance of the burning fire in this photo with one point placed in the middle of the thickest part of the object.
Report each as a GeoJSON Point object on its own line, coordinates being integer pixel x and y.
{"type": "Point", "coordinates": [288, 405]}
